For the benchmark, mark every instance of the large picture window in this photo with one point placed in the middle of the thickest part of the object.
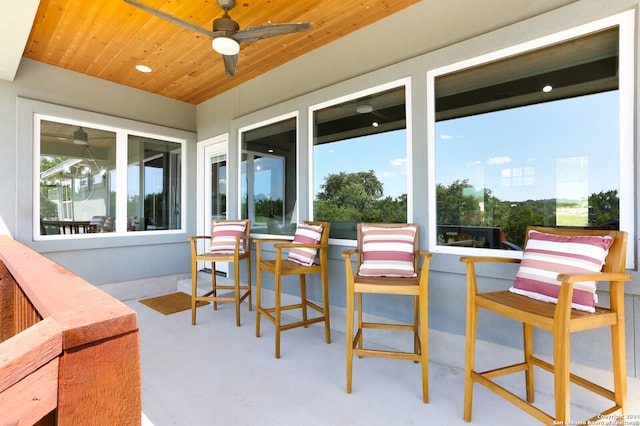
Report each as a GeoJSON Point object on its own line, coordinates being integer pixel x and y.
{"type": "Point", "coordinates": [360, 161]}
{"type": "Point", "coordinates": [79, 173]}
{"type": "Point", "coordinates": [530, 139]}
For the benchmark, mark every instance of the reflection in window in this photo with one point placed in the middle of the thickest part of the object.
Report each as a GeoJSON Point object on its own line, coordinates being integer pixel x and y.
{"type": "Point", "coordinates": [153, 201]}
{"type": "Point", "coordinates": [77, 173]}
{"type": "Point", "coordinates": [219, 187]}
{"type": "Point", "coordinates": [78, 181]}
{"type": "Point", "coordinates": [268, 186]}
{"type": "Point", "coordinates": [510, 154]}
{"type": "Point", "coordinates": [359, 162]}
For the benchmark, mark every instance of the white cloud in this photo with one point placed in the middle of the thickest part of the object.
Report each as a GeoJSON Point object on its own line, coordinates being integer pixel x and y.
{"type": "Point", "coordinates": [474, 163]}
{"type": "Point", "coordinates": [499, 160]}
{"type": "Point", "coordinates": [399, 162]}
{"type": "Point", "coordinates": [446, 137]}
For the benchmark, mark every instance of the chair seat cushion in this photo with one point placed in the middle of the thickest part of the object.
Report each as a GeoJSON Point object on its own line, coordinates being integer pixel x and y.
{"type": "Point", "coordinates": [388, 251]}
{"type": "Point", "coordinates": [305, 234]}
{"type": "Point", "coordinates": [545, 256]}
{"type": "Point", "coordinates": [225, 235]}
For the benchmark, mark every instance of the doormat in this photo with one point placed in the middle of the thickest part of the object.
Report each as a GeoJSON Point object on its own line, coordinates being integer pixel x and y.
{"type": "Point", "coordinates": [171, 303]}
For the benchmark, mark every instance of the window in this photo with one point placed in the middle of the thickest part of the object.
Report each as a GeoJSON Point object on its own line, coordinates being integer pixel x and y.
{"type": "Point", "coordinates": [268, 181]}
{"type": "Point", "coordinates": [79, 173]}
{"type": "Point", "coordinates": [360, 160]}
{"type": "Point", "coordinates": [535, 138]}
{"type": "Point", "coordinates": [153, 201]}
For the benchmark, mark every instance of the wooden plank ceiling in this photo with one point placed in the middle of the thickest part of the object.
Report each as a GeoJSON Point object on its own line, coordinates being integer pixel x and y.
{"type": "Point", "coordinates": [108, 38]}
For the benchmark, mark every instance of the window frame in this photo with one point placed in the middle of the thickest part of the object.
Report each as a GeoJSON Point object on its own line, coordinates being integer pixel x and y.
{"type": "Point", "coordinates": [625, 22]}
{"type": "Point", "coordinates": [123, 129]}
{"type": "Point", "coordinates": [406, 82]}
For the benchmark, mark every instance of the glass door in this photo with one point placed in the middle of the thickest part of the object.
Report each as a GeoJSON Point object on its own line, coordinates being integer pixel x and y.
{"type": "Point", "coordinates": [212, 203]}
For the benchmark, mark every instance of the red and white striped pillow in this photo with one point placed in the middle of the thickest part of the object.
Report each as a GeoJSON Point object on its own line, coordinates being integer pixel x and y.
{"type": "Point", "coordinates": [305, 234]}
{"type": "Point", "coordinates": [387, 252]}
{"type": "Point", "coordinates": [546, 256]}
{"type": "Point", "coordinates": [224, 236]}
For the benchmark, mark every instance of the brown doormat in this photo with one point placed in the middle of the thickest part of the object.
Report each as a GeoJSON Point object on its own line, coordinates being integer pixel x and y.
{"type": "Point", "coordinates": [171, 303]}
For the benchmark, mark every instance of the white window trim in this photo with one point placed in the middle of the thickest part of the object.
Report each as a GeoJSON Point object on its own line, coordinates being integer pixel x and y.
{"type": "Point", "coordinates": [406, 82]}
{"type": "Point", "coordinates": [122, 128]}
{"type": "Point", "coordinates": [626, 23]}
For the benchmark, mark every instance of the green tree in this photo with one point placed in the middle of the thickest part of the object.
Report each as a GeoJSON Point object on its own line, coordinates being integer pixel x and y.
{"type": "Point", "coordinates": [514, 223]}
{"type": "Point", "coordinates": [604, 207]}
{"type": "Point", "coordinates": [357, 197]}
{"type": "Point", "coordinates": [453, 204]}
{"type": "Point", "coordinates": [360, 189]}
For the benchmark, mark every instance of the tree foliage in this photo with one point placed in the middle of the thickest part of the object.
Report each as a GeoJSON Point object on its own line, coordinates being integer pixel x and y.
{"type": "Point", "coordinates": [357, 197]}
{"type": "Point", "coordinates": [604, 207]}
{"type": "Point", "coordinates": [459, 204]}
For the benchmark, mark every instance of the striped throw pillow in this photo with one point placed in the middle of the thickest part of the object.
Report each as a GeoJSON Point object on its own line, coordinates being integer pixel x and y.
{"type": "Point", "coordinates": [305, 234]}
{"type": "Point", "coordinates": [546, 256]}
{"type": "Point", "coordinates": [387, 252]}
{"type": "Point", "coordinates": [224, 236]}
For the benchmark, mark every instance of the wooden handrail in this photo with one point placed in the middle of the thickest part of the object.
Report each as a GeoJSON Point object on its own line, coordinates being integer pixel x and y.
{"type": "Point", "coordinates": [44, 310]}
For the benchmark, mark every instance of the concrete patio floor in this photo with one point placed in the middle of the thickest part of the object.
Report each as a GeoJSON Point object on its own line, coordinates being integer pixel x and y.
{"type": "Point", "coordinates": [215, 373]}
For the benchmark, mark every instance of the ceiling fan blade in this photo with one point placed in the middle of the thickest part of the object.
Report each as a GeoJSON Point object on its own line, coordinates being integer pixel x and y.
{"type": "Point", "coordinates": [271, 30]}
{"type": "Point", "coordinates": [230, 64]}
{"type": "Point", "coordinates": [170, 18]}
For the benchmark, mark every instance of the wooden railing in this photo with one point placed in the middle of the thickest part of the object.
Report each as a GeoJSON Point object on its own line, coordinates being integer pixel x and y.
{"type": "Point", "coordinates": [69, 353]}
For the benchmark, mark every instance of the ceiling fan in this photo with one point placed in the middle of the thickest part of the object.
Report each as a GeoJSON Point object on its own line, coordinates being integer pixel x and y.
{"type": "Point", "coordinates": [227, 35]}
{"type": "Point", "coordinates": [79, 136]}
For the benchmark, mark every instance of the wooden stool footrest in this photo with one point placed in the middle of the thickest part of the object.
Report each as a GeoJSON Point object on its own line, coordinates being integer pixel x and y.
{"type": "Point", "coordinates": [513, 398]}
{"type": "Point", "coordinates": [580, 381]}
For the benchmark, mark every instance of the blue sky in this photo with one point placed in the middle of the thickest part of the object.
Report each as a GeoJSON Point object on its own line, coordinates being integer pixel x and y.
{"type": "Point", "coordinates": [540, 151]}
{"type": "Point", "coordinates": [385, 153]}
{"type": "Point", "coordinates": [552, 150]}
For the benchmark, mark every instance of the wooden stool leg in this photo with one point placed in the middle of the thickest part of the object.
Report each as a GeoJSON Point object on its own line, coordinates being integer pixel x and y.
{"type": "Point", "coordinates": [258, 306]}
{"type": "Point", "coordinates": [416, 340]}
{"type": "Point", "coordinates": [278, 315]}
{"type": "Point", "coordinates": [325, 306]}
{"type": "Point", "coordinates": [236, 290]}
{"type": "Point", "coordinates": [360, 321]}
{"type": "Point", "coordinates": [472, 313]}
{"type": "Point", "coordinates": [214, 284]}
{"type": "Point", "coordinates": [618, 350]}
{"type": "Point", "coordinates": [248, 262]}
{"type": "Point", "coordinates": [424, 345]}
{"type": "Point", "coordinates": [527, 333]}
{"type": "Point", "coordinates": [349, 331]}
{"type": "Point", "coordinates": [194, 288]}
{"type": "Point", "coordinates": [561, 356]}
{"type": "Point", "coordinates": [303, 298]}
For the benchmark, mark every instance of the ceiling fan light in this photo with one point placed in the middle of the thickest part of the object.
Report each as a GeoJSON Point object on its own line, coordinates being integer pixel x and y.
{"type": "Point", "coordinates": [225, 46]}
{"type": "Point", "coordinates": [80, 137]}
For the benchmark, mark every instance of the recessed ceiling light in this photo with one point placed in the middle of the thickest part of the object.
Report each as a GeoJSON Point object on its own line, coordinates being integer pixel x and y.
{"type": "Point", "coordinates": [364, 109]}
{"type": "Point", "coordinates": [547, 88]}
{"type": "Point", "coordinates": [143, 68]}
